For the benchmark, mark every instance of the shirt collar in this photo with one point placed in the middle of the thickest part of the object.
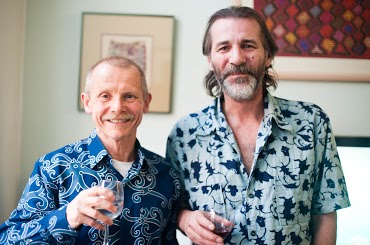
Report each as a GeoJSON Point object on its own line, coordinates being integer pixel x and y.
{"type": "Point", "coordinates": [213, 119]}
{"type": "Point", "coordinates": [98, 152]}
{"type": "Point", "coordinates": [219, 124]}
{"type": "Point", "coordinates": [96, 149]}
{"type": "Point", "coordinates": [272, 110]}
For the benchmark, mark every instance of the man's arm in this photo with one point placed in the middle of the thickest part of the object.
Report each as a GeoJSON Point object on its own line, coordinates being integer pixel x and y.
{"type": "Point", "coordinates": [35, 219]}
{"type": "Point", "coordinates": [325, 229]}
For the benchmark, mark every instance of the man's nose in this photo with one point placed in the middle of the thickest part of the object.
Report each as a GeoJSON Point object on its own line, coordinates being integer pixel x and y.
{"type": "Point", "coordinates": [236, 56]}
{"type": "Point", "coordinates": [118, 104]}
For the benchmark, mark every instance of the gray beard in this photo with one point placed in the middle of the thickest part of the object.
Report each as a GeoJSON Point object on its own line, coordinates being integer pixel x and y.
{"type": "Point", "coordinates": [243, 89]}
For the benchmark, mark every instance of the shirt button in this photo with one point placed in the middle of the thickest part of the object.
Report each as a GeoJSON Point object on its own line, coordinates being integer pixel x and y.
{"type": "Point", "coordinates": [253, 233]}
{"type": "Point", "coordinates": [251, 195]}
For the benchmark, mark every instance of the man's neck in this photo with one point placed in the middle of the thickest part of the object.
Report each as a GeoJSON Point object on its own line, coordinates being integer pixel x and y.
{"type": "Point", "coordinates": [122, 150]}
{"type": "Point", "coordinates": [244, 118]}
{"type": "Point", "coordinates": [246, 110]}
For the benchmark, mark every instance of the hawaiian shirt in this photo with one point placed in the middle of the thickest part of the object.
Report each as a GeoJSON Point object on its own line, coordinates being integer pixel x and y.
{"type": "Point", "coordinates": [296, 171]}
{"type": "Point", "coordinates": [151, 193]}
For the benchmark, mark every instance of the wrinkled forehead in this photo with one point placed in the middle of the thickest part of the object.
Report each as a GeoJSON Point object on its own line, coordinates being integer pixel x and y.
{"type": "Point", "coordinates": [235, 30]}
{"type": "Point", "coordinates": [235, 26]}
{"type": "Point", "coordinates": [116, 76]}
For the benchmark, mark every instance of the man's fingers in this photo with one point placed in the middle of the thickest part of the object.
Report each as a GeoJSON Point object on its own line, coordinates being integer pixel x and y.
{"type": "Point", "coordinates": [101, 203]}
{"type": "Point", "coordinates": [95, 214]}
{"type": "Point", "coordinates": [204, 221]}
{"type": "Point", "coordinates": [200, 230]}
{"type": "Point", "coordinates": [84, 209]}
{"type": "Point", "coordinates": [92, 222]}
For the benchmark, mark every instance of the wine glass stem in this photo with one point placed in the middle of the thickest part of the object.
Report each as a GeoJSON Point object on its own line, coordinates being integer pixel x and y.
{"type": "Point", "coordinates": [106, 235]}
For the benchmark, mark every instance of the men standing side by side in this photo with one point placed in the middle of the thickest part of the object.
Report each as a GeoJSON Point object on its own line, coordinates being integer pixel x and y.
{"type": "Point", "coordinates": [61, 202]}
{"type": "Point", "coordinates": [272, 160]}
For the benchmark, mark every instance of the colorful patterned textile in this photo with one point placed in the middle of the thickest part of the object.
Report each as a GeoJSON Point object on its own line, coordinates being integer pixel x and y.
{"type": "Point", "coordinates": [319, 28]}
{"type": "Point", "coordinates": [151, 194]}
{"type": "Point", "coordinates": [296, 171]}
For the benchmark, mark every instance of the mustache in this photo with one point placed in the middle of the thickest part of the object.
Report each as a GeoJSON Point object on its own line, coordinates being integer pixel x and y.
{"type": "Point", "coordinates": [119, 117]}
{"type": "Point", "coordinates": [240, 69]}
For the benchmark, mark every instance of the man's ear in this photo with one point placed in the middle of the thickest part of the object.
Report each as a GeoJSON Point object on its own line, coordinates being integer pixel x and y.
{"type": "Point", "coordinates": [147, 102]}
{"type": "Point", "coordinates": [86, 101]}
{"type": "Point", "coordinates": [268, 60]}
{"type": "Point", "coordinates": [210, 65]}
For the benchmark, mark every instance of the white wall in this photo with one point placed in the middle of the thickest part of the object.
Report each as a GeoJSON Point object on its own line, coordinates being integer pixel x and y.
{"type": "Point", "coordinates": [51, 70]}
{"type": "Point", "coordinates": [11, 50]}
{"type": "Point", "coordinates": [51, 74]}
{"type": "Point", "coordinates": [346, 103]}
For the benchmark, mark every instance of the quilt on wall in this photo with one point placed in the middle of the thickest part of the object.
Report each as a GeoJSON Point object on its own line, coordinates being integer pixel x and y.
{"type": "Point", "coordinates": [325, 28]}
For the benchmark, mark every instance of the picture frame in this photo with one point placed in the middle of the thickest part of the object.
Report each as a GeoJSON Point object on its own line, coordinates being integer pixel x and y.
{"type": "Point", "coordinates": [146, 39]}
{"type": "Point", "coordinates": [322, 69]}
{"type": "Point", "coordinates": [319, 40]}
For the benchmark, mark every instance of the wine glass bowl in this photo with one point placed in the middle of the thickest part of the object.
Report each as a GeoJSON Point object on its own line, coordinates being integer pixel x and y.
{"type": "Point", "coordinates": [223, 220]}
{"type": "Point", "coordinates": [117, 188]}
{"type": "Point", "coordinates": [118, 204]}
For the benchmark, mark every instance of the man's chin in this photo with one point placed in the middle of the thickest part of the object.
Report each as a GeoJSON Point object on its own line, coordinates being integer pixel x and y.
{"type": "Point", "coordinates": [241, 93]}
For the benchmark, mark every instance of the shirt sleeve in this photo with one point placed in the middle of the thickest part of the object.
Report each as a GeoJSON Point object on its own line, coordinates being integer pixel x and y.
{"type": "Point", "coordinates": [174, 154]}
{"type": "Point", "coordinates": [169, 233]}
{"type": "Point", "coordinates": [38, 216]}
{"type": "Point", "coordinates": [330, 190]}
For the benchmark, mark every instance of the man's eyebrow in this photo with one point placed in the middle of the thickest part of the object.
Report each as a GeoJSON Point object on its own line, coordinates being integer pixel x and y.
{"type": "Point", "coordinates": [222, 43]}
{"type": "Point", "coordinates": [249, 41]}
{"type": "Point", "coordinates": [253, 41]}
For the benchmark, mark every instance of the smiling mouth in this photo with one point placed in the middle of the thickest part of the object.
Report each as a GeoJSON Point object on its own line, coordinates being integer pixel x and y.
{"type": "Point", "coordinates": [118, 119]}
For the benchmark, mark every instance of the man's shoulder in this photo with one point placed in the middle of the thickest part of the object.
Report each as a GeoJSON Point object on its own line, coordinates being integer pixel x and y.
{"type": "Point", "coordinates": [154, 158]}
{"type": "Point", "coordinates": [69, 151]}
{"type": "Point", "coordinates": [197, 117]}
{"type": "Point", "coordinates": [151, 155]}
{"type": "Point", "coordinates": [295, 108]}
{"type": "Point", "coordinates": [157, 160]}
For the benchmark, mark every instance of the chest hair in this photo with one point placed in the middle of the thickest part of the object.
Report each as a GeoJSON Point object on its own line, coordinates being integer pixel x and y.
{"type": "Point", "coordinates": [245, 137]}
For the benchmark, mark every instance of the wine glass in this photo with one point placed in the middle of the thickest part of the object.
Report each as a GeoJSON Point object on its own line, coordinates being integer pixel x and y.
{"type": "Point", "coordinates": [223, 220]}
{"type": "Point", "coordinates": [117, 188]}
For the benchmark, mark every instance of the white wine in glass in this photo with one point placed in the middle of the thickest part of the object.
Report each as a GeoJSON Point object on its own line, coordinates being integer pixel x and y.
{"type": "Point", "coordinates": [117, 188]}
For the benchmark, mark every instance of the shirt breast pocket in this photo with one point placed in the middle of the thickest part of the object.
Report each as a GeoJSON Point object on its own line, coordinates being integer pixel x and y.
{"type": "Point", "coordinates": [200, 197]}
{"type": "Point", "coordinates": [293, 190]}
{"type": "Point", "coordinates": [215, 196]}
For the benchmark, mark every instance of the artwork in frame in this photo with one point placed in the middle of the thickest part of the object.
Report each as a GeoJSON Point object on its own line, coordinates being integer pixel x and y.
{"type": "Point", "coordinates": [319, 40]}
{"type": "Point", "coordinates": [146, 39]}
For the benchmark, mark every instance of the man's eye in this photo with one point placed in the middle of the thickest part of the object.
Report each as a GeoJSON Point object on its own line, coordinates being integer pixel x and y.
{"type": "Point", "coordinates": [104, 96]}
{"type": "Point", "coordinates": [129, 97]}
{"type": "Point", "coordinates": [247, 46]}
{"type": "Point", "coordinates": [223, 48]}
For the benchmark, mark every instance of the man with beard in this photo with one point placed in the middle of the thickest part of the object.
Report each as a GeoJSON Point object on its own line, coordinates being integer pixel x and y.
{"type": "Point", "coordinates": [61, 202]}
{"type": "Point", "coordinates": [273, 161]}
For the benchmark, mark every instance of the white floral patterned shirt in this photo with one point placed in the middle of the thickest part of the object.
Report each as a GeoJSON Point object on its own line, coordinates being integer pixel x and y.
{"type": "Point", "coordinates": [296, 171]}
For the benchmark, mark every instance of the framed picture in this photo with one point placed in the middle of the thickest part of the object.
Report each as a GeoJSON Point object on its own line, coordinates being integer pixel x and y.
{"type": "Point", "coordinates": [322, 69]}
{"type": "Point", "coordinates": [319, 40]}
{"type": "Point", "coordinates": [146, 39]}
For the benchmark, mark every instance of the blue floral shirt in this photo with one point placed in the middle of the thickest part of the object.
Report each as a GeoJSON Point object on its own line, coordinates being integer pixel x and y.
{"type": "Point", "coordinates": [152, 189]}
{"type": "Point", "coordinates": [296, 170]}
